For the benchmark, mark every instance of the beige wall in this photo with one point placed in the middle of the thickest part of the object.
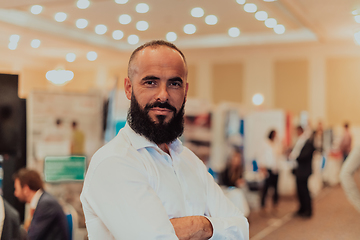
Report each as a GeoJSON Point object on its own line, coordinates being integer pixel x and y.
{"type": "Point", "coordinates": [343, 90]}
{"type": "Point", "coordinates": [228, 82]}
{"type": "Point", "coordinates": [291, 79]}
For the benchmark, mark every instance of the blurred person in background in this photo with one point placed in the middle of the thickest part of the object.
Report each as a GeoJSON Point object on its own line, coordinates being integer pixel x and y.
{"type": "Point", "coordinates": [77, 140]}
{"type": "Point", "coordinates": [345, 145]}
{"type": "Point", "coordinates": [269, 165]}
{"type": "Point", "coordinates": [350, 166]}
{"type": "Point", "coordinates": [47, 218]}
{"type": "Point", "coordinates": [144, 184]}
{"type": "Point", "coordinates": [303, 171]}
{"type": "Point", "coordinates": [232, 176]}
{"type": "Point", "coordinates": [10, 222]}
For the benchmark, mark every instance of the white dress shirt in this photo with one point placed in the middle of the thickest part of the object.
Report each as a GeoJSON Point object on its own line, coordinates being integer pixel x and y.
{"type": "Point", "coordinates": [2, 215]}
{"type": "Point", "coordinates": [132, 189]}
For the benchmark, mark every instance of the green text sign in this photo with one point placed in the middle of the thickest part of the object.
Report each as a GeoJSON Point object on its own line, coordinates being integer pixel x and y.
{"type": "Point", "coordinates": [64, 168]}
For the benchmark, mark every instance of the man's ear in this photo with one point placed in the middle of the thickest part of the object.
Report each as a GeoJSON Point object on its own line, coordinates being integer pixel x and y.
{"type": "Point", "coordinates": [128, 88]}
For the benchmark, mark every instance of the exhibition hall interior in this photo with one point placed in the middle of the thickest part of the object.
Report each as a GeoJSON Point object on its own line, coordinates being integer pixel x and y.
{"type": "Point", "coordinates": [257, 71]}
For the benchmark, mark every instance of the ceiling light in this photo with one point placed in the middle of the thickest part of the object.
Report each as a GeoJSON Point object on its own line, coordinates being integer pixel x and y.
{"type": "Point", "coordinates": [279, 29]}
{"type": "Point", "coordinates": [117, 34]}
{"type": "Point", "coordinates": [357, 38]}
{"type": "Point", "coordinates": [258, 99]}
{"type": "Point", "coordinates": [211, 20]}
{"type": "Point", "coordinates": [241, 1]}
{"type": "Point", "coordinates": [261, 15]}
{"type": "Point", "coordinates": [269, 0]}
{"type": "Point", "coordinates": [70, 57]}
{"type": "Point", "coordinates": [142, 25]}
{"type": "Point", "coordinates": [12, 45]}
{"type": "Point", "coordinates": [250, 7]}
{"type": "Point", "coordinates": [355, 12]}
{"type": "Point", "coordinates": [81, 23]}
{"type": "Point", "coordinates": [83, 4]}
{"type": "Point", "coordinates": [357, 18]}
{"type": "Point", "coordinates": [121, 1]}
{"type": "Point", "coordinates": [124, 19]}
{"type": "Point", "coordinates": [189, 29]}
{"type": "Point", "coordinates": [35, 43]}
{"type": "Point", "coordinates": [197, 12]}
{"type": "Point", "coordinates": [60, 16]}
{"type": "Point", "coordinates": [14, 38]}
{"type": "Point", "coordinates": [270, 22]}
{"type": "Point", "coordinates": [171, 36]}
{"type": "Point", "coordinates": [234, 32]}
{"type": "Point", "coordinates": [59, 76]}
{"type": "Point", "coordinates": [133, 39]}
{"type": "Point", "coordinates": [100, 29]}
{"type": "Point", "coordinates": [91, 56]}
{"type": "Point", "coordinates": [36, 9]}
{"type": "Point", "coordinates": [142, 8]}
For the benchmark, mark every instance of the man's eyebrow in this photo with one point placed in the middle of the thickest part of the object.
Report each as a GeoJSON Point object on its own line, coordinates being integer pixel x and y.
{"type": "Point", "coordinates": [176, 79]}
{"type": "Point", "coordinates": [151, 77]}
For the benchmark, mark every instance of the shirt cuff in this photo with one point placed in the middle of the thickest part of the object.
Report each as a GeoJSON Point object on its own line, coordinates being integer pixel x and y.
{"type": "Point", "coordinates": [216, 226]}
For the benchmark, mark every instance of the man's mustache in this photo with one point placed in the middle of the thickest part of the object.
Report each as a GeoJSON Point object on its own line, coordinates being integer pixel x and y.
{"type": "Point", "coordinates": [160, 105]}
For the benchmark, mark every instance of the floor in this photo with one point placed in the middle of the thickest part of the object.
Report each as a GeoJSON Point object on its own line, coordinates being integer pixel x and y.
{"type": "Point", "coordinates": [333, 218]}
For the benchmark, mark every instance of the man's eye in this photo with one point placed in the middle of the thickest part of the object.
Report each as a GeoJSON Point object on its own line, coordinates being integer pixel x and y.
{"type": "Point", "coordinates": [149, 82]}
{"type": "Point", "coordinates": [175, 84]}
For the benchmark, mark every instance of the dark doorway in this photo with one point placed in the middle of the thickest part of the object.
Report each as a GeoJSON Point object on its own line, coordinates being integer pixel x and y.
{"type": "Point", "coordinates": [12, 136]}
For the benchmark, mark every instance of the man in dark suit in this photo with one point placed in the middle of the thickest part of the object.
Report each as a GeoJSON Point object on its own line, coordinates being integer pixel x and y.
{"type": "Point", "coordinates": [302, 173]}
{"type": "Point", "coordinates": [11, 221]}
{"type": "Point", "coordinates": [48, 219]}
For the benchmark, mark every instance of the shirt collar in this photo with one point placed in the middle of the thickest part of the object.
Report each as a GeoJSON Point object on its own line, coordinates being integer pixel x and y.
{"type": "Point", "coordinates": [138, 141]}
{"type": "Point", "coordinates": [34, 201]}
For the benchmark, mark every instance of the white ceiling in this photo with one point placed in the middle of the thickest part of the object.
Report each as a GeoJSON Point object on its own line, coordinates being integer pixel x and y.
{"type": "Point", "coordinates": [304, 20]}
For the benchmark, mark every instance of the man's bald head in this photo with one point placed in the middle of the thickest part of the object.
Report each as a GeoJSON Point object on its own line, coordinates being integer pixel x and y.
{"type": "Point", "coordinates": [152, 44]}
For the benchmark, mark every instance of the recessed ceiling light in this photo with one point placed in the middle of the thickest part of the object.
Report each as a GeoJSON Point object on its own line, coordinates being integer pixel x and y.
{"type": "Point", "coordinates": [59, 76]}
{"type": "Point", "coordinates": [133, 39]}
{"type": "Point", "coordinates": [121, 1]}
{"type": "Point", "coordinates": [142, 8]}
{"type": "Point", "coordinates": [36, 9]}
{"type": "Point", "coordinates": [70, 57]}
{"type": "Point", "coordinates": [124, 19]}
{"type": "Point", "coordinates": [171, 36]}
{"type": "Point", "coordinates": [197, 12]}
{"type": "Point", "coordinates": [355, 12]}
{"type": "Point", "coordinates": [100, 29]}
{"type": "Point", "coordinates": [270, 22]}
{"type": "Point", "coordinates": [261, 15]}
{"type": "Point", "coordinates": [234, 32]}
{"type": "Point", "coordinates": [60, 16]}
{"type": "Point", "coordinates": [241, 1]}
{"type": "Point", "coordinates": [12, 45]}
{"type": "Point", "coordinates": [14, 38]}
{"type": "Point", "coordinates": [83, 4]}
{"type": "Point", "coordinates": [35, 43]}
{"type": "Point", "coordinates": [357, 38]}
{"type": "Point", "coordinates": [189, 29]}
{"type": "Point", "coordinates": [357, 18]}
{"type": "Point", "coordinates": [117, 34]}
{"type": "Point", "coordinates": [142, 25]}
{"type": "Point", "coordinates": [279, 29]}
{"type": "Point", "coordinates": [81, 23]}
{"type": "Point", "coordinates": [258, 99]}
{"type": "Point", "coordinates": [269, 0]}
{"type": "Point", "coordinates": [211, 20]}
{"type": "Point", "coordinates": [91, 56]}
{"type": "Point", "coordinates": [250, 7]}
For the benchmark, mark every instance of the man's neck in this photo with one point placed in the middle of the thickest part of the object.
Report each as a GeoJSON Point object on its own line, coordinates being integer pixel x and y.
{"type": "Point", "coordinates": [31, 196]}
{"type": "Point", "coordinates": [164, 147]}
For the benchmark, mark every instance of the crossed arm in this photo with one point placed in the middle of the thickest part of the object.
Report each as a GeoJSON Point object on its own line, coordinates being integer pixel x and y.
{"type": "Point", "coordinates": [192, 228]}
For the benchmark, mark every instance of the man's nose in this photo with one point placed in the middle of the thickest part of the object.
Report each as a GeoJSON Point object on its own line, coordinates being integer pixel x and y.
{"type": "Point", "coordinates": [163, 95]}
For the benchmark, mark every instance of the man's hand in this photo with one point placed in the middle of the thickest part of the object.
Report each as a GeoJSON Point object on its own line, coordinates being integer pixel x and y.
{"type": "Point", "coordinates": [192, 228]}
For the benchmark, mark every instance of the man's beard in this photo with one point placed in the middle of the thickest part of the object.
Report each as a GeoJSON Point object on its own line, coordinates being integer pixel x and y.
{"type": "Point", "coordinates": [158, 133]}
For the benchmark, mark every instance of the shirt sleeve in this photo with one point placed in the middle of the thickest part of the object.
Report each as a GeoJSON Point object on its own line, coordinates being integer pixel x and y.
{"type": "Point", "coordinates": [227, 220]}
{"type": "Point", "coordinates": [120, 195]}
{"type": "Point", "coordinates": [351, 164]}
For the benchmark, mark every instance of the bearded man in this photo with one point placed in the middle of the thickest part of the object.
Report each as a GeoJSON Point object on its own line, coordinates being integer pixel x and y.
{"type": "Point", "coordinates": [144, 184]}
